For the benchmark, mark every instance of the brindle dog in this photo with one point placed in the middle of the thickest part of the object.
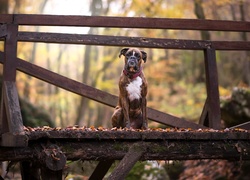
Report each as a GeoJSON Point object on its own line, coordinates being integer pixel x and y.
{"type": "Point", "coordinates": [131, 109]}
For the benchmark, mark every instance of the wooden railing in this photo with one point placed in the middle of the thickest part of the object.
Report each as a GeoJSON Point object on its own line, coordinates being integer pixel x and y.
{"type": "Point", "coordinates": [136, 145]}
{"type": "Point", "coordinates": [9, 32]}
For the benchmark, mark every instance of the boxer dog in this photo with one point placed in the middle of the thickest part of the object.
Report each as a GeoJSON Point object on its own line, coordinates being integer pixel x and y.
{"type": "Point", "coordinates": [131, 109]}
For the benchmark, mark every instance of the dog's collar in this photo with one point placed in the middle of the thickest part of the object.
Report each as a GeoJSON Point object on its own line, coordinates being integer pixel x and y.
{"type": "Point", "coordinates": [132, 75]}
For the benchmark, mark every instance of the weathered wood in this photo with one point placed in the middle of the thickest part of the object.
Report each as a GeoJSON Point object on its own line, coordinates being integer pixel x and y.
{"type": "Point", "coordinates": [95, 94]}
{"type": "Point", "coordinates": [6, 18]}
{"type": "Point", "coordinates": [9, 70]}
{"type": "Point", "coordinates": [14, 117]}
{"type": "Point", "coordinates": [212, 86]}
{"type": "Point", "coordinates": [104, 40]}
{"type": "Point", "coordinates": [113, 145]}
{"type": "Point", "coordinates": [132, 135]}
{"type": "Point", "coordinates": [3, 30]}
{"type": "Point", "coordinates": [12, 124]}
{"type": "Point", "coordinates": [53, 158]}
{"type": "Point", "coordinates": [132, 156]}
{"type": "Point", "coordinates": [132, 22]}
{"type": "Point", "coordinates": [101, 170]}
{"type": "Point", "coordinates": [11, 140]}
{"type": "Point", "coordinates": [10, 52]}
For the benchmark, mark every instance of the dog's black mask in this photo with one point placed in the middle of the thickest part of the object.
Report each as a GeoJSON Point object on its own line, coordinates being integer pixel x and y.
{"type": "Point", "coordinates": [133, 59]}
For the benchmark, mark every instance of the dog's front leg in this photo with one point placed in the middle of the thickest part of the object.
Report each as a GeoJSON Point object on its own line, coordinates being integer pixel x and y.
{"type": "Point", "coordinates": [144, 113]}
{"type": "Point", "coordinates": [125, 108]}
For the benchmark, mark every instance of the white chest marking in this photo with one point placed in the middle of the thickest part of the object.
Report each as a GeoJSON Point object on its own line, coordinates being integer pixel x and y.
{"type": "Point", "coordinates": [134, 89]}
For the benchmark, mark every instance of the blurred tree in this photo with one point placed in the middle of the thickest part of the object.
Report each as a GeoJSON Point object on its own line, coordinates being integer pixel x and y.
{"type": "Point", "coordinates": [96, 8]}
{"type": "Point", "coordinates": [4, 6]}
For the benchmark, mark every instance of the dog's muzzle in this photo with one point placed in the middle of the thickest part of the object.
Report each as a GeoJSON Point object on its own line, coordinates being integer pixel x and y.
{"type": "Point", "coordinates": [132, 64]}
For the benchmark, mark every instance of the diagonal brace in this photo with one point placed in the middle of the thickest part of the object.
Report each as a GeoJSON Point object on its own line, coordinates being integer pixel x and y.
{"type": "Point", "coordinates": [133, 155]}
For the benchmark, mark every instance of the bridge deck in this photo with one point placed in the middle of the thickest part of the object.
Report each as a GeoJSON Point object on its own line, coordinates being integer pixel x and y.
{"type": "Point", "coordinates": [157, 144]}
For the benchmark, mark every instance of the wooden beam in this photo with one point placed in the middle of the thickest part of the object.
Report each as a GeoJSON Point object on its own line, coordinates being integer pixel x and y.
{"type": "Point", "coordinates": [101, 170]}
{"type": "Point", "coordinates": [6, 18]}
{"type": "Point", "coordinates": [132, 22]}
{"type": "Point", "coordinates": [212, 85]}
{"type": "Point", "coordinates": [132, 156]}
{"type": "Point", "coordinates": [107, 145]}
{"type": "Point", "coordinates": [144, 42]}
{"type": "Point", "coordinates": [10, 52]}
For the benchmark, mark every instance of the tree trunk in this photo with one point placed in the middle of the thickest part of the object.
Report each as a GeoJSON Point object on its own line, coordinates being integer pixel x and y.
{"type": "Point", "coordinates": [4, 6]}
{"type": "Point", "coordinates": [246, 64]}
{"type": "Point", "coordinates": [96, 9]}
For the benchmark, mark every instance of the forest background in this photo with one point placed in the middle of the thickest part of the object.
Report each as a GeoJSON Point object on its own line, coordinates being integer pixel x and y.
{"type": "Point", "coordinates": [176, 77]}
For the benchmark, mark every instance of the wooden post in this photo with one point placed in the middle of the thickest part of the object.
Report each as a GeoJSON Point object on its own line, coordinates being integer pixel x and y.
{"type": "Point", "coordinates": [29, 170]}
{"type": "Point", "coordinates": [11, 124]}
{"type": "Point", "coordinates": [211, 115]}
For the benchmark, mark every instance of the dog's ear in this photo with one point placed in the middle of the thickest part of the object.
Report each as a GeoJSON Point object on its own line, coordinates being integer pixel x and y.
{"type": "Point", "coordinates": [144, 56]}
{"type": "Point", "coordinates": [123, 52]}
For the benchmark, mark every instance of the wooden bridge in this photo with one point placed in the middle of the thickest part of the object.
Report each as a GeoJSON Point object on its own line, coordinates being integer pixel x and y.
{"type": "Point", "coordinates": [49, 148]}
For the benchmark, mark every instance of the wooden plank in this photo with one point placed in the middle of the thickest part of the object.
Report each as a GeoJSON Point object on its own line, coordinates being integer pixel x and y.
{"type": "Point", "coordinates": [231, 45]}
{"type": "Point", "coordinates": [14, 117]}
{"type": "Point", "coordinates": [161, 149]}
{"type": "Point", "coordinates": [171, 120]}
{"type": "Point", "coordinates": [212, 85]}
{"type": "Point", "coordinates": [104, 40]}
{"type": "Point", "coordinates": [132, 156]}
{"type": "Point", "coordinates": [94, 94]}
{"type": "Point", "coordinates": [132, 22]}
{"type": "Point", "coordinates": [133, 135]}
{"type": "Point", "coordinates": [101, 170]}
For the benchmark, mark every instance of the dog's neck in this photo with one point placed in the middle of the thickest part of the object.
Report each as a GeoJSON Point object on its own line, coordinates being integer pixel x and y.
{"type": "Point", "coordinates": [132, 75]}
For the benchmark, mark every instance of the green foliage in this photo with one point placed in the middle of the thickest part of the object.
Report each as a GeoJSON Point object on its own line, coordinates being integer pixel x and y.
{"type": "Point", "coordinates": [147, 170]}
{"type": "Point", "coordinates": [34, 116]}
{"type": "Point", "coordinates": [236, 109]}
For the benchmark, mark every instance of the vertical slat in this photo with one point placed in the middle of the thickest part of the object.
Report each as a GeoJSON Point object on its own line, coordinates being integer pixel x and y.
{"type": "Point", "coordinates": [212, 85]}
{"type": "Point", "coordinates": [10, 49]}
{"type": "Point", "coordinates": [29, 171]}
{"type": "Point", "coordinates": [100, 170]}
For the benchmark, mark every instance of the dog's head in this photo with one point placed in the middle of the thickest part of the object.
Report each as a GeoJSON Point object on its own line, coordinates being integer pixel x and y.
{"type": "Point", "coordinates": [133, 59]}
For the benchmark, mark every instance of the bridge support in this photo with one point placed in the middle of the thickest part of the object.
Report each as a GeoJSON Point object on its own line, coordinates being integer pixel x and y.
{"type": "Point", "coordinates": [211, 115]}
{"type": "Point", "coordinates": [11, 123]}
